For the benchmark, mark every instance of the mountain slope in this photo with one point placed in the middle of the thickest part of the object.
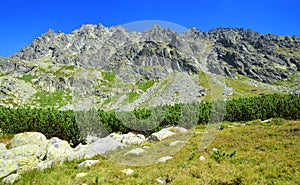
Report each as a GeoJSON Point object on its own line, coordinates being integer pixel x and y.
{"type": "Point", "coordinates": [118, 69]}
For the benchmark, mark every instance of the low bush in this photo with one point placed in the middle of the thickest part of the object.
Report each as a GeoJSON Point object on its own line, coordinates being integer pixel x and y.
{"type": "Point", "coordinates": [74, 126]}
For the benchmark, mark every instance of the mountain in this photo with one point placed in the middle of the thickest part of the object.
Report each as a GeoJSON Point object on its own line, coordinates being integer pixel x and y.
{"type": "Point", "coordinates": [113, 68]}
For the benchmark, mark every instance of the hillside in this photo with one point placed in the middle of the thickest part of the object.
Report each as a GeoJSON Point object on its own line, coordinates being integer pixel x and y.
{"type": "Point", "coordinates": [113, 68]}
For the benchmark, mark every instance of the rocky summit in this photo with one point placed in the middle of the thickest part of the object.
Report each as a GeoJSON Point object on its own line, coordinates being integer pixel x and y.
{"type": "Point", "coordinates": [113, 68]}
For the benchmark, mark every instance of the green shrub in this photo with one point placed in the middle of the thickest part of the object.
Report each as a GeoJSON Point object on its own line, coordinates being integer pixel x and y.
{"type": "Point", "coordinates": [74, 126]}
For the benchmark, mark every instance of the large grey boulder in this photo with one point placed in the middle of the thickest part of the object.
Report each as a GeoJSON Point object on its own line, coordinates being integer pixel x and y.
{"type": "Point", "coordinates": [95, 146]}
{"type": "Point", "coordinates": [29, 138]}
{"type": "Point", "coordinates": [25, 151]}
{"type": "Point", "coordinates": [58, 150]}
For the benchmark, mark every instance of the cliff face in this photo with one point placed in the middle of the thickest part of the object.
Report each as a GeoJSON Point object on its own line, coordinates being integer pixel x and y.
{"type": "Point", "coordinates": [155, 54]}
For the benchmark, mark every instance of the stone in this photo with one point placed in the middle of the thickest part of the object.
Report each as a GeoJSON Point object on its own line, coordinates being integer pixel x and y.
{"type": "Point", "coordinates": [214, 149]}
{"type": "Point", "coordinates": [103, 145]}
{"type": "Point", "coordinates": [129, 138]}
{"type": "Point", "coordinates": [177, 129]}
{"type": "Point", "coordinates": [176, 143]}
{"type": "Point", "coordinates": [26, 163]}
{"type": "Point", "coordinates": [135, 151]}
{"type": "Point", "coordinates": [201, 158]}
{"type": "Point", "coordinates": [160, 135]}
{"type": "Point", "coordinates": [164, 159]}
{"type": "Point", "coordinates": [2, 147]}
{"type": "Point", "coordinates": [160, 181]}
{"type": "Point", "coordinates": [29, 138]}
{"type": "Point", "coordinates": [58, 150]}
{"type": "Point", "coordinates": [44, 164]}
{"type": "Point", "coordinates": [79, 175]}
{"type": "Point", "coordinates": [25, 151]}
{"type": "Point", "coordinates": [11, 179]}
{"type": "Point", "coordinates": [128, 171]}
{"type": "Point", "coordinates": [87, 163]}
{"type": "Point", "coordinates": [7, 166]}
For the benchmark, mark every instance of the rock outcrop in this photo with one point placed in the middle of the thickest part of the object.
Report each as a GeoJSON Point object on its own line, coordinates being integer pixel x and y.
{"type": "Point", "coordinates": [31, 150]}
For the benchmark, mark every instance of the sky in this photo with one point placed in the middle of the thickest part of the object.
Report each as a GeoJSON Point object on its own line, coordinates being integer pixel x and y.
{"type": "Point", "coordinates": [22, 21]}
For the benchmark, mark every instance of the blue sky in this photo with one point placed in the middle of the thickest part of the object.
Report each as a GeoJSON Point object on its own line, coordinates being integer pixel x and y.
{"type": "Point", "coordinates": [22, 21]}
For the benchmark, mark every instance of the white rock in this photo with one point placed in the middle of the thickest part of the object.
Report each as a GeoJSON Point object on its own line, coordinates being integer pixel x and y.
{"type": "Point", "coordinates": [44, 164]}
{"type": "Point", "coordinates": [128, 171]}
{"type": "Point", "coordinates": [201, 158]}
{"type": "Point", "coordinates": [26, 150]}
{"type": "Point", "coordinates": [177, 129]}
{"type": "Point", "coordinates": [79, 175]}
{"type": "Point", "coordinates": [88, 163]}
{"type": "Point", "coordinates": [176, 143]}
{"type": "Point", "coordinates": [29, 138]}
{"type": "Point", "coordinates": [11, 178]}
{"type": "Point", "coordinates": [214, 149]}
{"type": "Point", "coordinates": [160, 181]}
{"type": "Point", "coordinates": [130, 138]}
{"type": "Point", "coordinates": [160, 135]}
{"type": "Point", "coordinates": [58, 150]}
{"type": "Point", "coordinates": [164, 159]}
{"type": "Point", "coordinates": [135, 151]}
{"type": "Point", "coordinates": [7, 166]}
{"type": "Point", "coordinates": [2, 147]}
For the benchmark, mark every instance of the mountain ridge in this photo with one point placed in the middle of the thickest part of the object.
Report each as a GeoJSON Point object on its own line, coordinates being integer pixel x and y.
{"type": "Point", "coordinates": [135, 58]}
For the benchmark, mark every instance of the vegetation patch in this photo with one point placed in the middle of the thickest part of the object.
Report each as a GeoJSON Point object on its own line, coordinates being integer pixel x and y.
{"type": "Point", "coordinates": [146, 85]}
{"type": "Point", "coordinates": [28, 78]}
{"type": "Point", "coordinates": [108, 76]}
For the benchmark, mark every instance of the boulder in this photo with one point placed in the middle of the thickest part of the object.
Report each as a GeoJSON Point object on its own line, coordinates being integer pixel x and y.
{"type": "Point", "coordinates": [26, 150]}
{"type": "Point", "coordinates": [164, 159]}
{"type": "Point", "coordinates": [135, 151]}
{"type": "Point", "coordinates": [177, 129]}
{"type": "Point", "coordinates": [95, 146]}
{"type": "Point", "coordinates": [88, 163]}
{"type": "Point", "coordinates": [44, 164]}
{"type": "Point", "coordinates": [160, 135]}
{"type": "Point", "coordinates": [103, 145]}
{"type": "Point", "coordinates": [129, 138]}
{"type": "Point", "coordinates": [176, 143]}
{"type": "Point", "coordinates": [128, 171]}
{"type": "Point", "coordinates": [7, 166]}
{"type": "Point", "coordinates": [79, 175]}
{"type": "Point", "coordinates": [2, 147]}
{"type": "Point", "coordinates": [29, 138]}
{"type": "Point", "coordinates": [58, 150]}
{"type": "Point", "coordinates": [11, 179]}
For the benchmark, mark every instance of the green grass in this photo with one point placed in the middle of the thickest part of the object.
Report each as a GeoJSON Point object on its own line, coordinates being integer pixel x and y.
{"type": "Point", "coordinates": [147, 84]}
{"type": "Point", "coordinates": [108, 76]}
{"type": "Point", "coordinates": [132, 96]}
{"type": "Point", "coordinates": [58, 98]}
{"type": "Point", "coordinates": [242, 89]}
{"type": "Point", "coordinates": [28, 78]}
{"type": "Point", "coordinates": [266, 153]}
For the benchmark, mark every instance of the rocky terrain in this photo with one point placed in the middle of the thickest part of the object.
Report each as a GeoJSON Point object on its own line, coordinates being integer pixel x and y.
{"type": "Point", "coordinates": [113, 68]}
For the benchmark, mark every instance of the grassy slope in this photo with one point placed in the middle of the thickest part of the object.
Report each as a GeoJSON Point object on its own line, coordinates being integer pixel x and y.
{"type": "Point", "coordinates": [265, 154]}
